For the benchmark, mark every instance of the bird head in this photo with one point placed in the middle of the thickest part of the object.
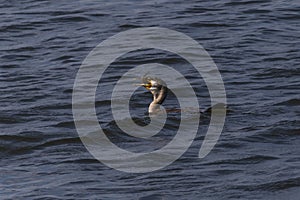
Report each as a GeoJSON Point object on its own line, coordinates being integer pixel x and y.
{"type": "Point", "coordinates": [157, 87]}
{"type": "Point", "coordinates": [153, 84]}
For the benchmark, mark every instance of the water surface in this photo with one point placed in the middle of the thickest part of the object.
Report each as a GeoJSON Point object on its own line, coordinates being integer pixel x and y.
{"type": "Point", "coordinates": [255, 45]}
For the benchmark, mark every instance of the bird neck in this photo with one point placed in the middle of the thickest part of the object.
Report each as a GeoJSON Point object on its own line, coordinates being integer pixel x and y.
{"type": "Point", "coordinates": [159, 96]}
{"type": "Point", "coordinates": [154, 107]}
{"type": "Point", "coordinates": [158, 99]}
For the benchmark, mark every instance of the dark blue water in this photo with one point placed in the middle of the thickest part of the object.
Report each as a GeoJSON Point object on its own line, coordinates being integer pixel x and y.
{"type": "Point", "coordinates": [255, 45]}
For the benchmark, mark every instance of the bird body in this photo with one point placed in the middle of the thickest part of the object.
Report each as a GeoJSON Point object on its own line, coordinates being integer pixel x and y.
{"type": "Point", "coordinates": [159, 90]}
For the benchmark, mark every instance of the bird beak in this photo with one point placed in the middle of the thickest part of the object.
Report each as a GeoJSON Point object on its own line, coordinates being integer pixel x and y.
{"type": "Point", "coordinates": [146, 85]}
